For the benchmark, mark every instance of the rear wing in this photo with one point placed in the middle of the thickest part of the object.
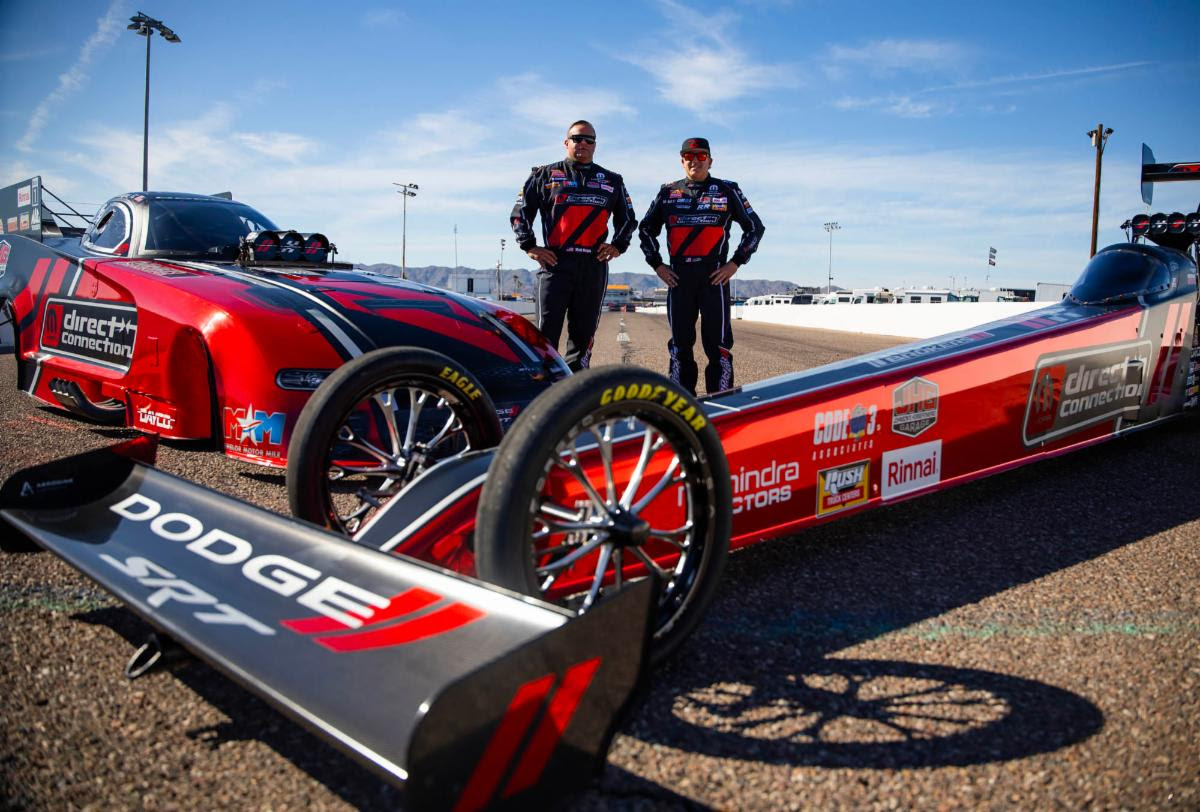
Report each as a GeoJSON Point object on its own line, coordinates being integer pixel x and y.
{"type": "Point", "coordinates": [26, 209]}
{"type": "Point", "coordinates": [1153, 172]}
{"type": "Point", "coordinates": [465, 694]}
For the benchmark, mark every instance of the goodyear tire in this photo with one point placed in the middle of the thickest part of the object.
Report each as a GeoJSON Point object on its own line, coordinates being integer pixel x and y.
{"type": "Point", "coordinates": [609, 476]}
{"type": "Point", "coordinates": [374, 425]}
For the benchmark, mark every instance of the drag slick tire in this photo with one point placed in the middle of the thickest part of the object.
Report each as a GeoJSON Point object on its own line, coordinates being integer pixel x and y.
{"type": "Point", "coordinates": [374, 425]}
{"type": "Point", "coordinates": [609, 476]}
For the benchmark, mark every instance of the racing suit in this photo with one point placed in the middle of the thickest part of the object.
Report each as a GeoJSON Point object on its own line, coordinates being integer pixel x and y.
{"type": "Point", "coordinates": [698, 215]}
{"type": "Point", "coordinates": [575, 201]}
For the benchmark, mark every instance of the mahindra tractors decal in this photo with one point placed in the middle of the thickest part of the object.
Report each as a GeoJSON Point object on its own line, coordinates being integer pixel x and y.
{"type": "Point", "coordinates": [99, 332]}
{"type": "Point", "coordinates": [1078, 388]}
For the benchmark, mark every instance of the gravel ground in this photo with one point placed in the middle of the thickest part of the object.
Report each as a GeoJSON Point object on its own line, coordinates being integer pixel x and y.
{"type": "Point", "coordinates": [1028, 641]}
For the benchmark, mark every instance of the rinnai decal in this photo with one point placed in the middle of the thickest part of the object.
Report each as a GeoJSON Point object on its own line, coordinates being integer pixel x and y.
{"type": "Point", "coordinates": [381, 632]}
{"type": "Point", "coordinates": [248, 430]}
{"type": "Point", "coordinates": [149, 417]}
{"type": "Point", "coordinates": [844, 431]}
{"type": "Point", "coordinates": [909, 469]}
{"type": "Point", "coordinates": [1079, 388]}
{"type": "Point", "coordinates": [5, 250]}
{"type": "Point", "coordinates": [341, 606]}
{"type": "Point", "coordinates": [760, 488]}
{"type": "Point", "coordinates": [914, 406]}
{"type": "Point", "coordinates": [843, 487]}
{"type": "Point", "coordinates": [100, 332]}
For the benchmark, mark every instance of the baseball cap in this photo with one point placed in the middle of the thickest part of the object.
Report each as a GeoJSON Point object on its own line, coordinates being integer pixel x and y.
{"type": "Point", "coordinates": [695, 145]}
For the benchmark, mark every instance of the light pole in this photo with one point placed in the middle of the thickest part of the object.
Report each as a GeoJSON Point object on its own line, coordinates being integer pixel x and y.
{"type": "Point", "coordinates": [456, 246]}
{"type": "Point", "coordinates": [145, 26]}
{"type": "Point", "coordinates": [499, 270]}
{"type": "Point", "coordinates": [1099, 138]}
{"type": "Point", "coordinates": [831, 227]}
{"type": "Point", "coordinates": [407, 190]}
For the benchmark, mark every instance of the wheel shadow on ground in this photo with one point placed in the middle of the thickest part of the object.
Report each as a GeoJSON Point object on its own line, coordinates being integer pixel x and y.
{"type": "Point", "coordinates": [759, 681]}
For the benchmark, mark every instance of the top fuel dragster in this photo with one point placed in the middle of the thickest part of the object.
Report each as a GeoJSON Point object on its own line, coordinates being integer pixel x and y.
{"type": "Point", "coordinates": [610, 476]}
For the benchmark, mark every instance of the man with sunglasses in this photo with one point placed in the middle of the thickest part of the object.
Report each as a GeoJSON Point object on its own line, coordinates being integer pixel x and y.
{"type": "Point", "coordinates": [575, 198]}
{"type": "Point", "coordinates": [698, 211]}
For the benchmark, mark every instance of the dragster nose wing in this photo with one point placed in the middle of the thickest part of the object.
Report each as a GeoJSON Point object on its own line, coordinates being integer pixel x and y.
{"type": "Point", "coordinates": [465, 694]}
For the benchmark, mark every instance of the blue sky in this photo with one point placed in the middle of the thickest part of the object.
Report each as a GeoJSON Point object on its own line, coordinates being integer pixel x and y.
{"type": "Point", "coordinates": [930, 131]}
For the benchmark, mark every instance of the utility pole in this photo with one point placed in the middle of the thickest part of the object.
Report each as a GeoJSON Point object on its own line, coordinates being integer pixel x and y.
{"type": "Point", "coordinates": [499, 270]}
{"type": "Point", "coordinates": [145, 26]}
{"type": "Point", "coordinates": [456, 246]}
{"type": "Point", "coordinates": [407, 190]}
{"type": "Point", "coordinates": [831, 227]}
{"type": "Point", "coordinates": [1099, 138]}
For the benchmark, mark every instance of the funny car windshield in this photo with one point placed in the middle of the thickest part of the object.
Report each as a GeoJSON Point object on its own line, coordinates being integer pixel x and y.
{"type": "Point", "coordinates": [201, 226]}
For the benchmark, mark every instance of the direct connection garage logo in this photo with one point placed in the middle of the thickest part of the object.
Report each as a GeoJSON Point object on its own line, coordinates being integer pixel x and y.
{"type": "Point", "coordinates": [1076, 389]}
{"type": "Point", "coordinates": [100, 332]}
{"type": "Point", "coordinates": [914, 406]}
{"type": "Point", "coordinates": [843, 487]}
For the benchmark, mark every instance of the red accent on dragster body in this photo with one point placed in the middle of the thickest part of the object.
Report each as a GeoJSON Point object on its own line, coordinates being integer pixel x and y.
{"type": "Point", "coordinates": [908, 428]}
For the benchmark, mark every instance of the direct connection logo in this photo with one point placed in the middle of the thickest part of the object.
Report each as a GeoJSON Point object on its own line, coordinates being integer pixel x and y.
{"type": "Point", "coordinates": [843, 487]}
{"type": "Point", "coordinates": [100, 332]}
{"type": "Point", "coordinates": [914, 406]}
{"type": "Point", "coordinates": [5, 249]}
{"type": "Point", "coordinates": [1076, 389]}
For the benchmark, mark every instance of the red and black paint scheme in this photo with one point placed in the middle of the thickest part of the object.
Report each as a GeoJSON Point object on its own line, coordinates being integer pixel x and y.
{"type": "Point", "coordinates": [153, 317]}
{"type": "Point", "coordinates": [1119, 354]}
{"type": "Point", "coordinates": [478, 696]}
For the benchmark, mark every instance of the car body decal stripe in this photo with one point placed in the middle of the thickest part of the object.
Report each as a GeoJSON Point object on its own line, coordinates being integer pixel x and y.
{"type": "Point", "coordinates": [516, 720]}
{"type": "Point", "coordinates": [440, 621]}
{"type": "Point", "coordinates": [554, 723]}
{"type": "Point", "coordinates": [407, 602]}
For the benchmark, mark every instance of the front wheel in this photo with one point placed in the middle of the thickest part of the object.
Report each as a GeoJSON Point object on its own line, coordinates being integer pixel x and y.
{"type": "Point", "coordinates": [374, 425]}
{"type": "Point", "coordinates": [612, 475]}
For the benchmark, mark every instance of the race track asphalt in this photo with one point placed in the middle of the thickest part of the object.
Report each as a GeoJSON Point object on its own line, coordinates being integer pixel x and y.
{"type": "Point", "coordinates": [1030, 641]}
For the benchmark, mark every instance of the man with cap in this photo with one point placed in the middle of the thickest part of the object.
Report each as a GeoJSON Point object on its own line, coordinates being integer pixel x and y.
{"type": "Point", "coordinates": [698, 211]}
{"type": "Point", "coordinates": [575, 198]}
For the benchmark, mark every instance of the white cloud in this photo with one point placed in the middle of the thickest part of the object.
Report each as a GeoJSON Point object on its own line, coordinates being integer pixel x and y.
{"type": "Point", "coordinates": [547, 105]}
{"type": "Point", "coordinates": [900, 105]}
{"type": "Point", "coordinates": [708, 71]}
{"type": "Point", "coordinates": [77, 76]}
{"type": "Point", "coordinates": [891, 55]}
{"type": "Point", "coordinates": [288, 147]}
{"type": "Point", "coordinates": [378, 17]}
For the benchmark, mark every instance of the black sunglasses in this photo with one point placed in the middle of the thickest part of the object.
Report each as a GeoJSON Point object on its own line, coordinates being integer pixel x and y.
{"type": "Point", "coordinates": [586, 139]}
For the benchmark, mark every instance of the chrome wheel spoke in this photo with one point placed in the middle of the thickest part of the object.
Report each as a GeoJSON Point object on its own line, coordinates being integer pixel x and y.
{"type": "Point", "coordinates": [651, 442]}
{"type": "Point", "coordinates": [570, 558]}
{"type": "Point", "coordinates": [651, 565]}
{"type": "Point", "coordinates": [597, 578]}
{"type": "Point", "coordinates": [386, 401]}
{"type": "Point", "coordinates": [573, 467]}
{"type": "Point", "coordinates": [668, 478]}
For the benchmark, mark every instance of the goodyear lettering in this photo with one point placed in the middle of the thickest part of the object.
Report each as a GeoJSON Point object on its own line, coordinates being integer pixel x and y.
{"type": "Point", "coordinates": [655, 394]}
{"type": "Point", "coordinates": [469, 389]}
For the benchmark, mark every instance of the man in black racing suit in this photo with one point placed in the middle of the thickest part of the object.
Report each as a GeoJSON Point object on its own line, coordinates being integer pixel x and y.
{"type": "Point", "coordinates": [698, 211]}
{"type": "Point", "coordinates": [575, 198]}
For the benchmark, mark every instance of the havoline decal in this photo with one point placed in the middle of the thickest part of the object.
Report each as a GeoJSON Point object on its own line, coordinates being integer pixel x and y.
{"type": "Point", "coordinates": [1079, 388]}
{"type": "Point", "coordinates": [100, 332]}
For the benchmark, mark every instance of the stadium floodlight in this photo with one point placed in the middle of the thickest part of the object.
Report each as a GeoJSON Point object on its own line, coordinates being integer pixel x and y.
{"type": "Point", "coordinates": [145, 26]}
{"type": "Point", "coordinates": [831, 227]}
{"type": "Point", "coordinates": [407, 190]}
{"type": "Point", "coordinates": [1099, 138]}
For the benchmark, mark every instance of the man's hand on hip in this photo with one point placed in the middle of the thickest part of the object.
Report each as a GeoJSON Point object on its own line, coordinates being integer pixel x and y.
{"type": "Point", "coordinates": [667, 275]}
{"type": "Point", "coordinates": [543, 256]}
{"type": "Point", "coordinates": [606, 252]}
{"type": "Point", "coordinates": [723, 274]}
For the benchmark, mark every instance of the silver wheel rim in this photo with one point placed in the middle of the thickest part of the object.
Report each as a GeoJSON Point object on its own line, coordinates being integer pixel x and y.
{"type": "Point", "coordinates": [565, 535]}
{"type": "Point", "coordinates": [385, 442]}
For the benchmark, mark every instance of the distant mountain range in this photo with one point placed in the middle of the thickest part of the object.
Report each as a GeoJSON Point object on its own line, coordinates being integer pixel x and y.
{"type": "Point", "coordinates": [640, 283]}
